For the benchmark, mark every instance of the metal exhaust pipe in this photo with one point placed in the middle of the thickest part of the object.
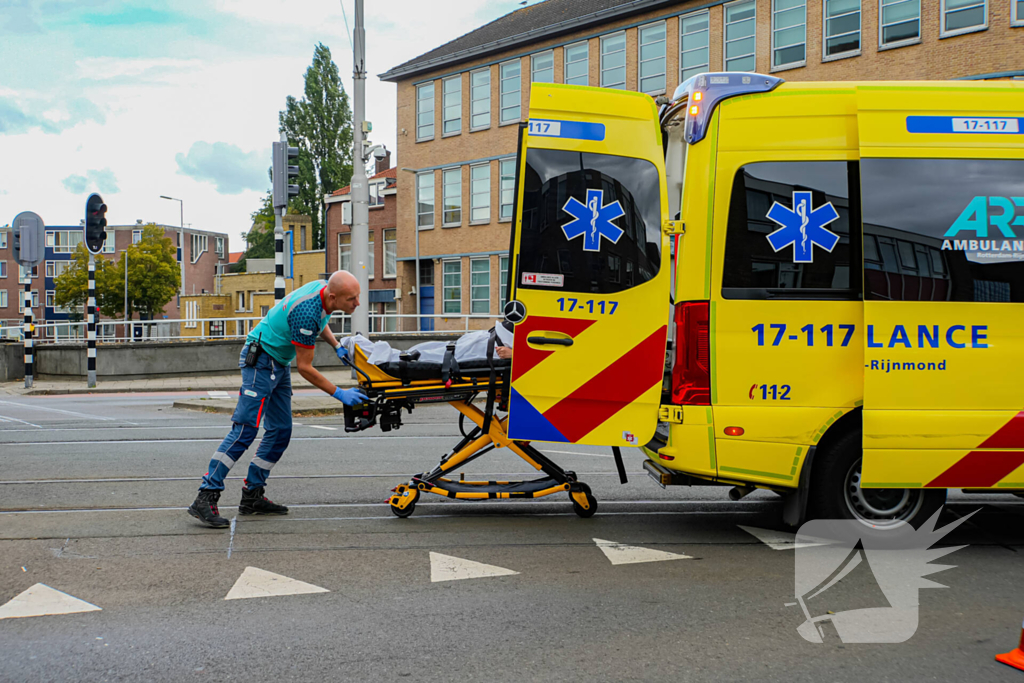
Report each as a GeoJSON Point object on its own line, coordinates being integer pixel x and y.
{"type": "Point", "coordinates": [740, 492]}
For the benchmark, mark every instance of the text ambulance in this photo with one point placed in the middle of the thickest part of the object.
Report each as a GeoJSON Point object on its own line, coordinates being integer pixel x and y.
{"type": "Point", "coordinates": [836, 271]}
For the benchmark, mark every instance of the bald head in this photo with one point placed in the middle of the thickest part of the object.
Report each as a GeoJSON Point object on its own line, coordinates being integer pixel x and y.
{"type": "Point", "coordinates": [342, 292]}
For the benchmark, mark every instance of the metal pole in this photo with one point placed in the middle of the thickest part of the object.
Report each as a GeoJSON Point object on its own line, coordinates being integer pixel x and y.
{"type": "Point", "coordinates": [91, 312]}
{"type": "Point", "coordinates": [279, 238]}
{"type": "Point", "coordinates": [26, 330]}
{"type": "Point", "coordinates": [360, 190]}
{"type": "Point", "coordinates": [127, 333]}
{"type": "Point", "coordinates": [181, 236]}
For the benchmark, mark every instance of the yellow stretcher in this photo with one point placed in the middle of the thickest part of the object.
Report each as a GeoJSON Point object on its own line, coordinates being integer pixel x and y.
{"type": "Point", "coordinates": [408, 383]}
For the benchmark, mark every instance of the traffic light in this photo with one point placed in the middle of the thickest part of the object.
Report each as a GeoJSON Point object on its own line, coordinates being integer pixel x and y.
{"type": "Point", "coordinates": [283, 174]}
{"type": "Point", "coordinates": [95, 222]}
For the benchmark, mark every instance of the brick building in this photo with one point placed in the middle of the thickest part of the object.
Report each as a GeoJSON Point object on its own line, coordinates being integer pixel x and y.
{"type": "Point", "coordinates": [206, 254]}
{"type": "Point", "coordinates": [459, 106]}
{"type": "Point", "coordinates": [384, 296]}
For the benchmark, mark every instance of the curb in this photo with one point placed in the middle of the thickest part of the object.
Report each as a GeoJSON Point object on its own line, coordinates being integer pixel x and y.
{"type": "Point", "coordinates": [217, 406]}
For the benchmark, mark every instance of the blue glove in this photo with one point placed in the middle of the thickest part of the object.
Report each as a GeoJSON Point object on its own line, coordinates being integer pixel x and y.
{"type": "Point", "coordinates": [350, 397]}
{"type": "Point", "coordinates": [342, 352]}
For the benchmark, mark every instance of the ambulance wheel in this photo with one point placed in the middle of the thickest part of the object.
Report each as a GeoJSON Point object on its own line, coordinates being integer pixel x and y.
{"type": "Point", "coordinates": [591, 503]}
{"type": "Point", "coordinates": [836, 491]}
{"type": "Point", "coordinates": [402, 513]}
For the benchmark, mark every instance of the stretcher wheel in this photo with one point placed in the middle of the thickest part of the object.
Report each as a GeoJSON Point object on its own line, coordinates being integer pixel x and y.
{"type": "Point", "coordinates": [409, 508]}
{"type": "Point", "coordinates": [591, 508]}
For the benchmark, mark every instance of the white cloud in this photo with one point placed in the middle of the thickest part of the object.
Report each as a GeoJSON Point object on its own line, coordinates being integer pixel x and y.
{"type": "Point", "coordinates": [226, 166]}
{"type": "Point", "coordinates": [105, 68]}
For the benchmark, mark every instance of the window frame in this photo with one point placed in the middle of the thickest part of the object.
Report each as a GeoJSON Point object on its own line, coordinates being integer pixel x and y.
{"type": "Point", "coordinates": [3, 298]}
{"type": "Point", "coordinates": [347, 244]}
{"type": "Point", "coordinates": [391, 245]}
{"type": "Point", "coordinates": [706, 48]}
{"type": "Point", "coordinates": [825, 57]}
{"type": "Point", "coordinates": [1016, 19]}
{"type": "Point", "coordinates": [882, 45]}
{"type": "Point", "coordinates": [473, 195]}
{"type": "Point", "coordinates": [433, 200]}
{"type": "Point", "coordinates": [625, 65]}
{"type": "Point", "coordinates": [664, 58]}
{"type": "Point", "coordinates": [445, 287]}
{"type": "Point", "coordinates": [511, 189]}
{"type": "Point", "coordinates": [3, 269]}
{"type": "Point", "coordinates": [585, 60]}
{"type": "Point", "coordinates": [136, 234]}
{"type": "Point", "coordinates": [457, 172]}
{"type": "Point", "coordinates": [774, 47]}
{"type": "Point", "coordinates": [433, 111]}
{"type": "Point", "coordinates": [534, 69]}
{"type": "Point", "coordinates": [109, 244]}
{"type": "Point", "coordinates": [943, 33]}
{"type": "Point", "coordinates": [725, 33]}
{"type": "Point", "coordinates": [3, 239]}
{"type": "Point", "coordinates": [503, 262]}
{"type": "Point", "coordinates": [445, 133]}
{"type": "Point", "coordinates": [473, 299]}
{"type": "Point", "coordinates": [502, 80]}
{"type": "Point", "coordinates": [473, 100]}
{"type": "Point", "coordinates": [371, 255]}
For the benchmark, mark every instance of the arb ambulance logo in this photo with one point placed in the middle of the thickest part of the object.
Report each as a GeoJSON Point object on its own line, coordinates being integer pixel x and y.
{"type": "Point", "coordinates": [803, 227]}
{"type": "Point", "coordinates": [593, 220]}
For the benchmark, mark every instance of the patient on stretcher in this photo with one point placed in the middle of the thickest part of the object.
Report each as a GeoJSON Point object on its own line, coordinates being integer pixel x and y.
{"type": "Point", "coordinates": [471, 346]}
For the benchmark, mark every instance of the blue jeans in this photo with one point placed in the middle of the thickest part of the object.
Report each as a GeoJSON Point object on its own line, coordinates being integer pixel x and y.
{"type": "Point", "coordinates": [266, 395]}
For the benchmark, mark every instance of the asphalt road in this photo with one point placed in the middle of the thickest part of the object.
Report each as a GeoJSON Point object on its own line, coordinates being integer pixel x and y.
{"type": "Point", "coordinates": [92, 498]}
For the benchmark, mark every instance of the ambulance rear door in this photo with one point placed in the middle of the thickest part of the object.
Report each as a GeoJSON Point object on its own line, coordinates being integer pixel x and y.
{"type": "Point", "coordinates": [942, 186]}
{"type": "Point", "coordinates": [589, 281]}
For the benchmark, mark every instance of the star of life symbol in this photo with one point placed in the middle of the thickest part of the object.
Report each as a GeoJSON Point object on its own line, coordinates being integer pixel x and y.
{"type": "Point", "coordinates": [593, 220]}
{"type": "Point", "coordinates": [803, 227]}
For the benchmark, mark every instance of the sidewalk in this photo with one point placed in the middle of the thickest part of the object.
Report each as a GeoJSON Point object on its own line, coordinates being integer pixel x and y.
{"type": "Point", "coordinates": [226, 382]}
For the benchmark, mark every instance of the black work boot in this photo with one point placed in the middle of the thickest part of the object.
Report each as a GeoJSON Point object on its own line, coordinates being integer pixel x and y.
{"type": "Point", "coordinates": [205, 509]}
{"type": "Point", "coordinates": [255, 503]}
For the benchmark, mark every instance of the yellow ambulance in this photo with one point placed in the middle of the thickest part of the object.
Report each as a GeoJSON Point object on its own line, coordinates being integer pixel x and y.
{"type": "Point", "coordinates": [812, 288]}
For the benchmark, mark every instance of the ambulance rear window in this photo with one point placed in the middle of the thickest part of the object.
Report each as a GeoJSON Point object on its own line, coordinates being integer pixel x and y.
{"type": "Point", "coordinates": [943, 229]}
{"type": "Point", "coordinates": [592, 220]}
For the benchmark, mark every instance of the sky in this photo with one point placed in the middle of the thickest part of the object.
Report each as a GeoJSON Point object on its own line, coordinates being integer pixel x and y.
{"type": "Point", "coordinates": [140, 98]}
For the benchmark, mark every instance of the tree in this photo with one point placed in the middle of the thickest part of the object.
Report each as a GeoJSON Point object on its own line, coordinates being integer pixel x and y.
{"type": "Point", "coordinates": [260, 238]}
{"type": "Point", "coordinates": [154, 275]}
{"type": "Point", "coordinates": [320, 125]}
{"type": "Point", "coordinates": [71, 288]}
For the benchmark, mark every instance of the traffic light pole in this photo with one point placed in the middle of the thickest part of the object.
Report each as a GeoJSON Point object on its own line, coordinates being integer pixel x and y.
{"type": "Point", "coordinates": [91, 322]}
{"type": "Point", "coordinates": [26, 331]}
{"type": "Point", "coordinates": [279, 244]}
{"type": "Point", "coordinates": [360, 189]}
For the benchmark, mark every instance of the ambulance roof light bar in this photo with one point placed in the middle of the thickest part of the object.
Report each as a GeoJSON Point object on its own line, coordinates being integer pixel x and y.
{"type": "Point", "coordinates": [705, 91]}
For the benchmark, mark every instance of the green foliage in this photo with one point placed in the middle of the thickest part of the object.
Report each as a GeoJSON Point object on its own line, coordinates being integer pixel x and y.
{"type": "Point", "coordinates": [71, 288]}
{"type": "Point", "coordinates": [260, 238]}
{"type": "Point", "coordinates": [320, 125]}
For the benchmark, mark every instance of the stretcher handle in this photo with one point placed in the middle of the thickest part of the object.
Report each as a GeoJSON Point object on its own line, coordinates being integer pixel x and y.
{"type": "Point", "coordinates": [346, 361]}
{"type": "Point", "coordinates": [560, 341]}
{"type": "Point", "coordinates": [619, 464]}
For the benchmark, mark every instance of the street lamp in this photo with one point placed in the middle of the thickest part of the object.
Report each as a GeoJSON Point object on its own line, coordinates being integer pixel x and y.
{"type": "Point", "coordinates": [181, 244]}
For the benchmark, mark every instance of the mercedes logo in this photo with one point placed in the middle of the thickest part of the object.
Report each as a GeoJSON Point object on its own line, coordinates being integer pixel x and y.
{"type": "Point", "coordinates": [515, 311]}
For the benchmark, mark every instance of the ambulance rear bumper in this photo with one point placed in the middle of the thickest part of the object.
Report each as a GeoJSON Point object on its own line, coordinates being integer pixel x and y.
{"type": "Point", "coordinates": [666, 477]}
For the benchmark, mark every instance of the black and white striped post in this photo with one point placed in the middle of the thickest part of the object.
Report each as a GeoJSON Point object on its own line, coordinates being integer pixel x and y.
{"type": "Point", "coordinates": [278, 256]}
{"type": "Point", "coordinates": [91, 322]}
{"type": "Point", "coordinates": [282, 172]}
{"type": "Point", "coordinates": [26, 332]}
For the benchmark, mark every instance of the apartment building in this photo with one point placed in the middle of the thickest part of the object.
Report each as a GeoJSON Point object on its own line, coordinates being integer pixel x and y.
{"type": "Point", "coordinates": [459, 106]}
{"type": "Point", "coordinates": [205, 254]}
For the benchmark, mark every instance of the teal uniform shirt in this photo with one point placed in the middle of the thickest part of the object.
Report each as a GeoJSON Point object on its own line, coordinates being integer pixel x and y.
{"type": "Point", "coordinates": [296, 320]}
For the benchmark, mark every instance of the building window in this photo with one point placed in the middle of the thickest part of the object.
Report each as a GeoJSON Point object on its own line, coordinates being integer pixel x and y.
{"type": "Point", "coordinates": [50, 295]}
{"type": "Point", "coordinates": [503, 294]}
{"type": "Point", "coordinates": [108, 243]}
{"type": "Point", "coordinates": [452, 287]}
{"type": "Point", "coordinates": [652, 58]}
{"type": "Point", "coordinates": [55, 269]}
{"type": "Point", "coordinates": [900, 22]}
{"type": "Point", "coordinates": [426, 272]}
{"type": "Point", "coordinates": [577, 64]}
{"type": "Point", "coordinates": [480, 285]}
{"type": "Point", "coordinates": [480, 193]}
{"type": "Point", "coordinates": [511, 83]}
{"type": "Point", "coordinates": [740, 32]}
{"type": "Point", "coordinates": [693, 45]}
{"type": "Point", "coordinates": [3, 269]}
{"type": "Point", "coordinates": [507, 169]}
{"type": "Point", "coordinates": [425, 112]}
{"type": "Point", "coordinates": [372, 256]}
{"type": "Point", "coordinates": [63, 241]}
{"type": "Point", "coordinates": [542, 69]}
{"type": "Point", "coordinates": [1016, 19]}
{"type": "Point", "coordinates": [613, 61]}
{"type": "Point", "coordinates": [789, 33]}
{"type": "Point", "coordinates": [3, 239]}
{"type": "Point", "coordinates": [963, 16]}
{"type": "Point", "coordinates": [241, 303]}
{"type": "Point", "coordinates": [390, 311]}
{"type": "Point", "coordinates": [23, 274]}
{"type": "Point", "coordinates": [192, 312]}
{"type": "Point", "coordinates": [452, 112]}
{"type": "Point", "coordinates": [220, 246]}
{"type": "Point", "coordinates": [345, 251]}
{"type": "Point", "coordinates": [136, 236]}
{"type": "Point", "coordinates": [375, 190]}
{"type": "Point", "coordinates": [842, 28]}
{"type": "Point", "coordinates": [480, 99]}
{"type": "Point", "coordinates": [200, 243]}
{"type": "Point", "coordinates": [452, 180]}
{"type": "Point", "coordinates": [391, 253]}
{"type": "Point", "coordinates": [3, 298]}
{"type": "Point", "coordinates": [425, 200]}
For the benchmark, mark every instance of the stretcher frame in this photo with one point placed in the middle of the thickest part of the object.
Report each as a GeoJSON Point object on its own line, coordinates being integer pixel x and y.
{"type": "Point", "coordinates": [389, 395]}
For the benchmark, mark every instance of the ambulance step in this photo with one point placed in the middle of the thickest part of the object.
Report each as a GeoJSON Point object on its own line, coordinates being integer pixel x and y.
{"type": "Point", "coordinates": [666, 477]}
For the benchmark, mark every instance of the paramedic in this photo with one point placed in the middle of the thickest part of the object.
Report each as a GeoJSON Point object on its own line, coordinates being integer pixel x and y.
{"type": "Point", "coordinates": [288, 332]}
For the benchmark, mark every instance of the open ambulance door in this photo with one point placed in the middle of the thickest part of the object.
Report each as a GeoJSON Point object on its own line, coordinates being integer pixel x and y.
{"type": "Point", "coordinates": [942, 186]}
{"type": "Point", "coordinates": [589, 278]}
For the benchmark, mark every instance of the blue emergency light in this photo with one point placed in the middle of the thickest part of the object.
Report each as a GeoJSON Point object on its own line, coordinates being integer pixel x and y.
{"type": "Point", "coordinates": [703, 92]}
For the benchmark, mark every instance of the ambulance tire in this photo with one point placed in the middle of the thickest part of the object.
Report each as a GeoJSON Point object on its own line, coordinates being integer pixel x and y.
{"type": "Point", "coordinates": [836, 493]}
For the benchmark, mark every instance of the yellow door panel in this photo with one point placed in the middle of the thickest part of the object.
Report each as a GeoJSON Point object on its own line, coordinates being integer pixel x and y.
{"type": "Point", "coordinates": [937, 429]}
{"type": "Point", "coordinates": [766, 463]}
{"type": "Point", "coordinates": [766, 423]}
{"type": "Point", "coordinates": [692, 444]}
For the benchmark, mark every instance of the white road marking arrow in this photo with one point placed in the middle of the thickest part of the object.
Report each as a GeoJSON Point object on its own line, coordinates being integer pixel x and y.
{"type": "Point", "coordinates": [259, 583]}
{"type": "Point", "coordinates": [448, 568]}
{"type": "Point", "coordinates": [778, 540]}
{"type": "Point", "coordinates": [618, 553]}
{"type": "Point", "coordinates": [41, 600]}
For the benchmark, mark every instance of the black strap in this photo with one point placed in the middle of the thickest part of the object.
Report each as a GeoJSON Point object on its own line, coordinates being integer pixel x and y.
{"type": "Point", "coordinates": [491, 382]}
{"type": "Point", "coordinates": [449, 366]}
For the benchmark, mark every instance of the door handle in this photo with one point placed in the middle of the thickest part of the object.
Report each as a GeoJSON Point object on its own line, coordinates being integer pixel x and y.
{"type": "Point", "coordinates": [560, 341]}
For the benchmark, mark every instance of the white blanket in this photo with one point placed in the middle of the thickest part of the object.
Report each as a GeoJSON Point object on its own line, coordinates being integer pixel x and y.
{"type": "Point", "coordinates": [470, 346]}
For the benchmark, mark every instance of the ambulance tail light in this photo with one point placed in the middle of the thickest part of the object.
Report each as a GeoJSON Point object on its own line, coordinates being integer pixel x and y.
{"type": "Point", "coordinates": [691, 373]}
